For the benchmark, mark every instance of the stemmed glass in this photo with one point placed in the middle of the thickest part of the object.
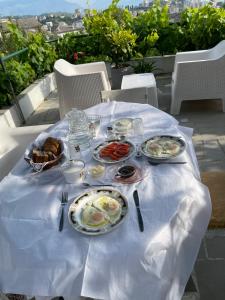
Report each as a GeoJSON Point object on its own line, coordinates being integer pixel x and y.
{"type": "Point", "coordinates": [138, 134]}
{"type": "Point", "coordinates": [94, 124]}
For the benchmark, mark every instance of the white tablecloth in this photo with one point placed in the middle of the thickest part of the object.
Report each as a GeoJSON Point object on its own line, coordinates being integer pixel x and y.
{"type": "Point", "coordinates": [36, 259]}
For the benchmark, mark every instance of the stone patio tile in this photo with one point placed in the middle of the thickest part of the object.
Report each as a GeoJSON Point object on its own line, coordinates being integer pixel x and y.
{"type": "Point", "coordinates": [220, 130]}
{"type": "Point", "coordinates": [211, 166]}
{"type": "Point", "coordinates": [199, 149]}
{"type": "Point", "coordinates": [216, 247]}
{"type": "Point", "coordinates": [211, 279]}
{"type": "Point", "coordinates": [221, 142]}
{"type": "Point", "coordinates": [213, 150]}
{"type": "Point", "coordinates": [202, 252]}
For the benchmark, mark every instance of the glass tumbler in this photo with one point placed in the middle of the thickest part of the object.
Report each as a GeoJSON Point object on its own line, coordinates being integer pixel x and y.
{"type": "Point", "coordinates": [138, 129]}
{"type": "Point", "coordinates": [94, 124]}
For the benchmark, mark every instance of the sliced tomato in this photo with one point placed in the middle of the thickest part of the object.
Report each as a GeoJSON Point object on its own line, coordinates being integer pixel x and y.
{"type": "Point", "coordinates": [122, 152]}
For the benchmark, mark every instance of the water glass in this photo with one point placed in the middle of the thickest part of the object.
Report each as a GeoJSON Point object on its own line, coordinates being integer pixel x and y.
{"type": "Point", "coordinates": [138, 129]}
{"type": "Point", "coordinates": [94, 124]}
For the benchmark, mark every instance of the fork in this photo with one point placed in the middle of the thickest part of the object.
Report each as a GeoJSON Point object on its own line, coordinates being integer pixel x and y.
{"type": "Point", "coordinates": [64, 201]}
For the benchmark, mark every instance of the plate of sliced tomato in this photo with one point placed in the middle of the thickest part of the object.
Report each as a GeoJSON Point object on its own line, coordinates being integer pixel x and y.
{"type": "Point", "coordinates": [113, 151]}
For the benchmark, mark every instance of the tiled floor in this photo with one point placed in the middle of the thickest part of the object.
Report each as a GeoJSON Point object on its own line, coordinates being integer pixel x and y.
{"type": "Point", "coordinates": [208, 121]}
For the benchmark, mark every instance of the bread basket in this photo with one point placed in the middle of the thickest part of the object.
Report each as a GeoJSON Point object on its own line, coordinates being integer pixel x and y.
{"type": "Point", "coordinates": [38, 167]}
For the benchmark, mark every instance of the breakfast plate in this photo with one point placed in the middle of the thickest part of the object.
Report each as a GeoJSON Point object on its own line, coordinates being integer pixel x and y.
{"type": "Point", "coordinates": [113, 151]}
{"type": "Point", "coordinates": [163, 147]}
{"type": "Point", "coordinates": [122, 125]}
{"type": "Point", "coordinates": [98, 211]}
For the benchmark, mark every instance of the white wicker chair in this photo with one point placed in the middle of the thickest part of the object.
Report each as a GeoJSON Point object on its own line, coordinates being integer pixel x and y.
{"type": "Point", "coordinates": [137, 95]}
{"type": "Point", "coordinates": [80, 85]}
{"type": "Point", "coordinates": [199, 75]}
{"type": "Point", "coordinates": [13, 144]}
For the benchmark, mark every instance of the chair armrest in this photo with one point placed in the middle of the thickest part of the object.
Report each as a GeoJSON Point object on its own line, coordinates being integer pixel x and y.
{"type": "Point", "coordinates": [191, 56]}
{"type": "Point", "coordinates": [195, 70]}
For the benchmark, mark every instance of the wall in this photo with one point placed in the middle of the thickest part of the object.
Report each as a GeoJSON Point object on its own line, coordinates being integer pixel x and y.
{"type": "Point", "coordinates": [29, 100]}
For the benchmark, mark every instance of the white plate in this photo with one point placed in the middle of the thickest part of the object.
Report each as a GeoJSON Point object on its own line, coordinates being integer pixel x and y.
{"type": "Point", "coordinates": [97, 150]}
{"type": "Point", "coordinates": [86, 199]}
{"type": "Point", "coordinates": [122, 125]}
{"type": "Point", "coordinates": [162, 141]}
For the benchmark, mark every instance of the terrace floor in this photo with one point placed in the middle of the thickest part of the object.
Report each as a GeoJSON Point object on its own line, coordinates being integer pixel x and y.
{"type": "Point", "coordinates": [208, 121]}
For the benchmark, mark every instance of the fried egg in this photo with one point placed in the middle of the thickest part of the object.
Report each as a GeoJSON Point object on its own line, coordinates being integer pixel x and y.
{"type": "Point", "coordinates": [93, 217]}
{"type": "Point", "coordinates": [154, 148]}
{"type": "Point", "coordinates": [171, 147]}
{"type": "Point", "coordinates": [108, 205]}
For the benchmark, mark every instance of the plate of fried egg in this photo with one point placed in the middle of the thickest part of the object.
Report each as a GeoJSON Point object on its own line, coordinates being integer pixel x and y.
{"type": "Point", "coordinates": [98, 211]}
{"type": "Point", "coordinates": [163, 147]}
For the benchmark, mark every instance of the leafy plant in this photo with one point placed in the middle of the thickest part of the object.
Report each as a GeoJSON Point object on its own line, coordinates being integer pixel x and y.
{"type": "Point", "coordinates": [36, 62]}
{"type": "Point", "coordinates": [41, 55]}
{"type": "Point", "coordinates": [78, 49]}
{"type": "Point", "coordinates": [20, 74]}
{"type": "Point", "coordinates": [12, 40]}
{"type": "Point", "coordinates": [203, 27]}
{"type": "Point", "coordinates": [144, 67]}
{"type": "Point", "coordinates": [113, 29]}
{"type": "Point", "coordinates": [149, 25]}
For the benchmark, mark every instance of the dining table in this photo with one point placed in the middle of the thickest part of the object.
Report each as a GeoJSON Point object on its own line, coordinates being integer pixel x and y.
{"type": "Point", "coordinates": [125, 263]}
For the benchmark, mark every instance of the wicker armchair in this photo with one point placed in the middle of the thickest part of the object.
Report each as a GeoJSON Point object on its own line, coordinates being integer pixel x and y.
{"type": "Point", "coordinates": [80, 85]}
{"type": "Point", "coordinates": [198, 75]}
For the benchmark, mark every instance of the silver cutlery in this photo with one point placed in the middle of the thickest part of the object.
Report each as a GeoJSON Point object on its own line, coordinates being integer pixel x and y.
{"type": "Point", "coordinates": [167, 162]}
{"type": "Point", "coordinates": [64, 200]}
{"type": "Point", "coordinates": [137, 204]}
{"type": "Point", "coordinates": [86, 184]}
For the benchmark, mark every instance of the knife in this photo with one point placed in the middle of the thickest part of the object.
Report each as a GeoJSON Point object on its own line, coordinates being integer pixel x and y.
{"type": "Point", "coordinates": [140, 220]}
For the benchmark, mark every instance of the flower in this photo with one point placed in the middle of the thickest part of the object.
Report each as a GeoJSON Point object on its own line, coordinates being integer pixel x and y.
{"type": "Point", "coordinates": [75, 56]}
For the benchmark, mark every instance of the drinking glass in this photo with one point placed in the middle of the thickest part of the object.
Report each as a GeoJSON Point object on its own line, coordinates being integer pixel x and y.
{"type": "Point", "coordinates": [138, 134]}
{"type": "Point", "coordinates": [138, 129]}
{"type": "Point", "coordinates": [94, 124]}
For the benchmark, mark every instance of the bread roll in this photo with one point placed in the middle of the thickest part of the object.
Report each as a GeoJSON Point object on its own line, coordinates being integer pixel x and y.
{"type": "Point", "coordinates": [52, 145]}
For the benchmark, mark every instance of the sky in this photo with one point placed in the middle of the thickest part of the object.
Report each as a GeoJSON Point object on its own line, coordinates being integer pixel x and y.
{"type": "Point", "coordinates": [36, 7]}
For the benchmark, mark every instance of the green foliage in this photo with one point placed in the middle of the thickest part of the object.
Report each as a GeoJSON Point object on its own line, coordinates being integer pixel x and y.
{"type": "Point", "coordinates": [144, 67]}
{"type": "Point", "coordinates": [203, 27]}
{"type": "Point", "coordinates": [34, 63]}
{"type": "Point", "coordinates": [73, 43]}
{"type": "Point", "coordinates": [41, 55]}
{"type": "Point", "coordinates": [13, 40]}
{"type": "Point", "coordinates": [113, 29]}
{"type": "Point", "coordinates": [21, 75]}
{"type": "Point", "coordinates": [149, 25]}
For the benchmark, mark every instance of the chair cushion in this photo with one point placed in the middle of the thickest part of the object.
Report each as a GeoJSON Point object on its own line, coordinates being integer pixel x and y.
{"type": "Point", "coordinates": [215, 181]}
